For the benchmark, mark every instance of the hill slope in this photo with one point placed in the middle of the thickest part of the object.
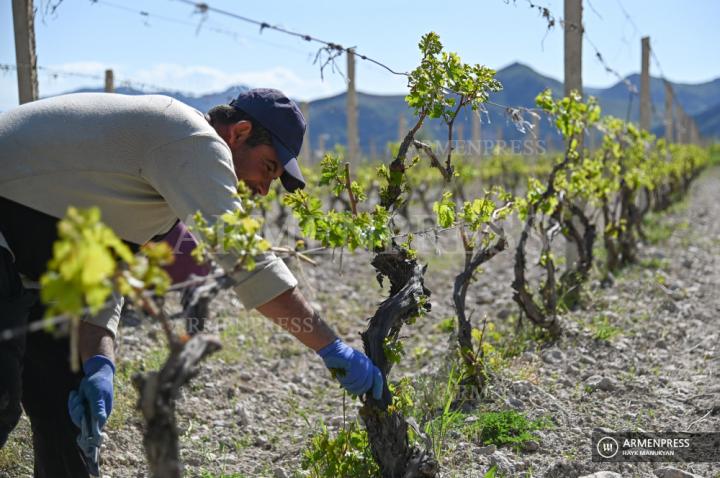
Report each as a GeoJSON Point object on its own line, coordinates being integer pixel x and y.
{"type": "Point", "coordinates": [379, 116]}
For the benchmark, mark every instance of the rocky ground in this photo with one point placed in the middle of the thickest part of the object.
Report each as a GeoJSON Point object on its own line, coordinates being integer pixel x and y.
{"type": "Point", "coordinates": [640, 355]}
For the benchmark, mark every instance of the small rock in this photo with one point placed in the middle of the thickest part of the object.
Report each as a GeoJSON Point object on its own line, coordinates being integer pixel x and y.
{"type": "Point", "coordinates": [487, 450]}
{"type": "Point", "coordinates": [530, 445]}
{"type": "Point", "coordinates": [484, 298]}
{"type": "Point", "coordinates": [126, 340]}
{"type": "Point", "coordinates": [621, 345]}
{"type": "Point", "coordinates": [669, 472]}
{"type": "Point", "coordinates": [612, 316]}
{"type": "Point", "coordinates": [597, 382]}
{"type": "Point", "coordinates": [587, 359]}
{"type": "Point", "coordinates": [521, 387]}
{"type": "Point", "coordinates": [572, 369]}
{"type": "Point", "coordinates": [243, 417]}
{"type": "Point", "coordinates": [670, 306]}
{"type": "Point", "coordinates": [656, 255]}
{"type": "Point", "coordinates": [262, 442]}
{"type": "Point", "coordinates": [337, 421]}
{"type": "Point", "coordinates": [245, 389]}
{"type": "Point", "coordinates": [279, 472]}
{"type": "Point", "coordinates": [504, 464]}
{"type": "Point", "coordinates": [553, 356]}
{"type": "Point", "coordinates": [603, 474]}
{"type": "Point", "coordinates": [515, 403]}
{"type": "Point", "coordinates": [607, 281]}
{"type": "Point", "coordinates": [603, 430]}
{"type": "Point", "coordinates": [563, 469]}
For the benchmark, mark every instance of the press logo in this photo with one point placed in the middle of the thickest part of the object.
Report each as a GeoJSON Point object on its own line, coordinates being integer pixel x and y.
{"type": "Point", "coordinates": [607, 447]}
{"type": "Point", "coordinates": [655, 447]}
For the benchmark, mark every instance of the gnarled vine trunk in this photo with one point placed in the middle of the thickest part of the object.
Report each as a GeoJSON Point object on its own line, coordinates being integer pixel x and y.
{"type": "Point", "coordinates": [158, 392]}
{"type": "Point", "coordinates": [546, 319]}
{"type": "Point", "coordinates": [388, 430]}
{"type": "Point", "coordinates": [582, 235]}
{"type": "Point", "coordinates": [462, 282]}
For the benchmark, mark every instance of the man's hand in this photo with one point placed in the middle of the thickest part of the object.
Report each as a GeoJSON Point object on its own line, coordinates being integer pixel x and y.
{"type": "Point", "coordinates": [96, 390]}
{"type": "Point", "coordinates": [357, 372]}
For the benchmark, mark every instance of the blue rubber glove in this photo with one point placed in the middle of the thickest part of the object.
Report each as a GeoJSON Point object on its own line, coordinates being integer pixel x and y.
{"type": "Point", "coordinates": [360, 374]}
{"type": "Point", "coordinates": [96, 389]}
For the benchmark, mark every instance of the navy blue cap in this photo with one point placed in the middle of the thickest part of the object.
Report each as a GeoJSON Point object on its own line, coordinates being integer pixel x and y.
{"type": "Point", "coordinates": [286, 124]}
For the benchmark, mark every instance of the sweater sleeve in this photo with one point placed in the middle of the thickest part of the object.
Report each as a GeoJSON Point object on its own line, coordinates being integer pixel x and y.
{"type": "Point", "coordinates": [197, 174]}
{"type": "Point", "coordinates": [109, 316]}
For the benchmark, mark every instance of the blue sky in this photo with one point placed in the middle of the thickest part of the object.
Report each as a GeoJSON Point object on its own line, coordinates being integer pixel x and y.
{"type": "Point", "coordinates": [170, 47]}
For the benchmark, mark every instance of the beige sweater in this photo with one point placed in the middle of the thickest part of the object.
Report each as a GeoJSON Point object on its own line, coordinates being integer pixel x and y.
{"type": "Point", "coordinates": [145, 161]}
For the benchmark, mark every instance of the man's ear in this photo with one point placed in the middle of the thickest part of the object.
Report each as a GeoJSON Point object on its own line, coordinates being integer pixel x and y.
{"type": "Point", "coordinates": [239, 132]}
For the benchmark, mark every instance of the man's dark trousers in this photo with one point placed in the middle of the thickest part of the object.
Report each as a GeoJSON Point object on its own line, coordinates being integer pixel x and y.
{"type": "Point", "coordinates": [35, 371]}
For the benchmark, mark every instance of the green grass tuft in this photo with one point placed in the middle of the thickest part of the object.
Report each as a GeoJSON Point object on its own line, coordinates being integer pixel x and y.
{"type": "Point", "coordinates": [507, 427]}
{"type": "Point", "coordinates": [602, 329]}
{"type": "Point", "coordinates": [346, 453]}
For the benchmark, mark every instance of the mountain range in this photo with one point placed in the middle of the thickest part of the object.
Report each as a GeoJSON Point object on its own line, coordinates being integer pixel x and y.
{"type": "Point", "coordinates": [381, 117]}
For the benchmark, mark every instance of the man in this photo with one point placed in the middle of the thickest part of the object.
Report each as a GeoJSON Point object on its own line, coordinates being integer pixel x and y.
{"type": "Point", "coordinates": [146, 162]}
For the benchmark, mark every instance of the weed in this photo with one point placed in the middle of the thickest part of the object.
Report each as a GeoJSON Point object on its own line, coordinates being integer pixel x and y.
{"type": "Point", "coordinates": [437, 428]}
{"type": "Point", "coordinates": [507, 427]}
{"type": "Point", "coordinates": [347, 453]}
{"type": "Point", "coordinates": [629, 374]}
{"type": "Point", "coordinates": [656, 229]}
{"type": "Point", "coordinates": [243, 442]}
{"type": "Point", "coordinates": [602, 329]}
{"type": "Point", "coordinates": [207, 474]}
{"type": "Point", "coordinates": [500, 347]}
{"type": "Point", "coordinates": [660, 278]}
{"type": "Point", "coordinates": [420, 356]}
{"type": "Point", "coordinates": [446, 325]}
{"type": "Point", "coordinates": [654, 263]}
{"type": "Point", "coordinates": [403, 393]}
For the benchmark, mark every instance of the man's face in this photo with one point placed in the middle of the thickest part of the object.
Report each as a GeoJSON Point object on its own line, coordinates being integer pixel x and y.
{"type": "Point", "coordinates": [258, 166]}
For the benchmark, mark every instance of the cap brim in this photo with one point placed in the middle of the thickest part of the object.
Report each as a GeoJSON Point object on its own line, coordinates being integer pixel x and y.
{"type": "Point", "coordinates": [292, 178]}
